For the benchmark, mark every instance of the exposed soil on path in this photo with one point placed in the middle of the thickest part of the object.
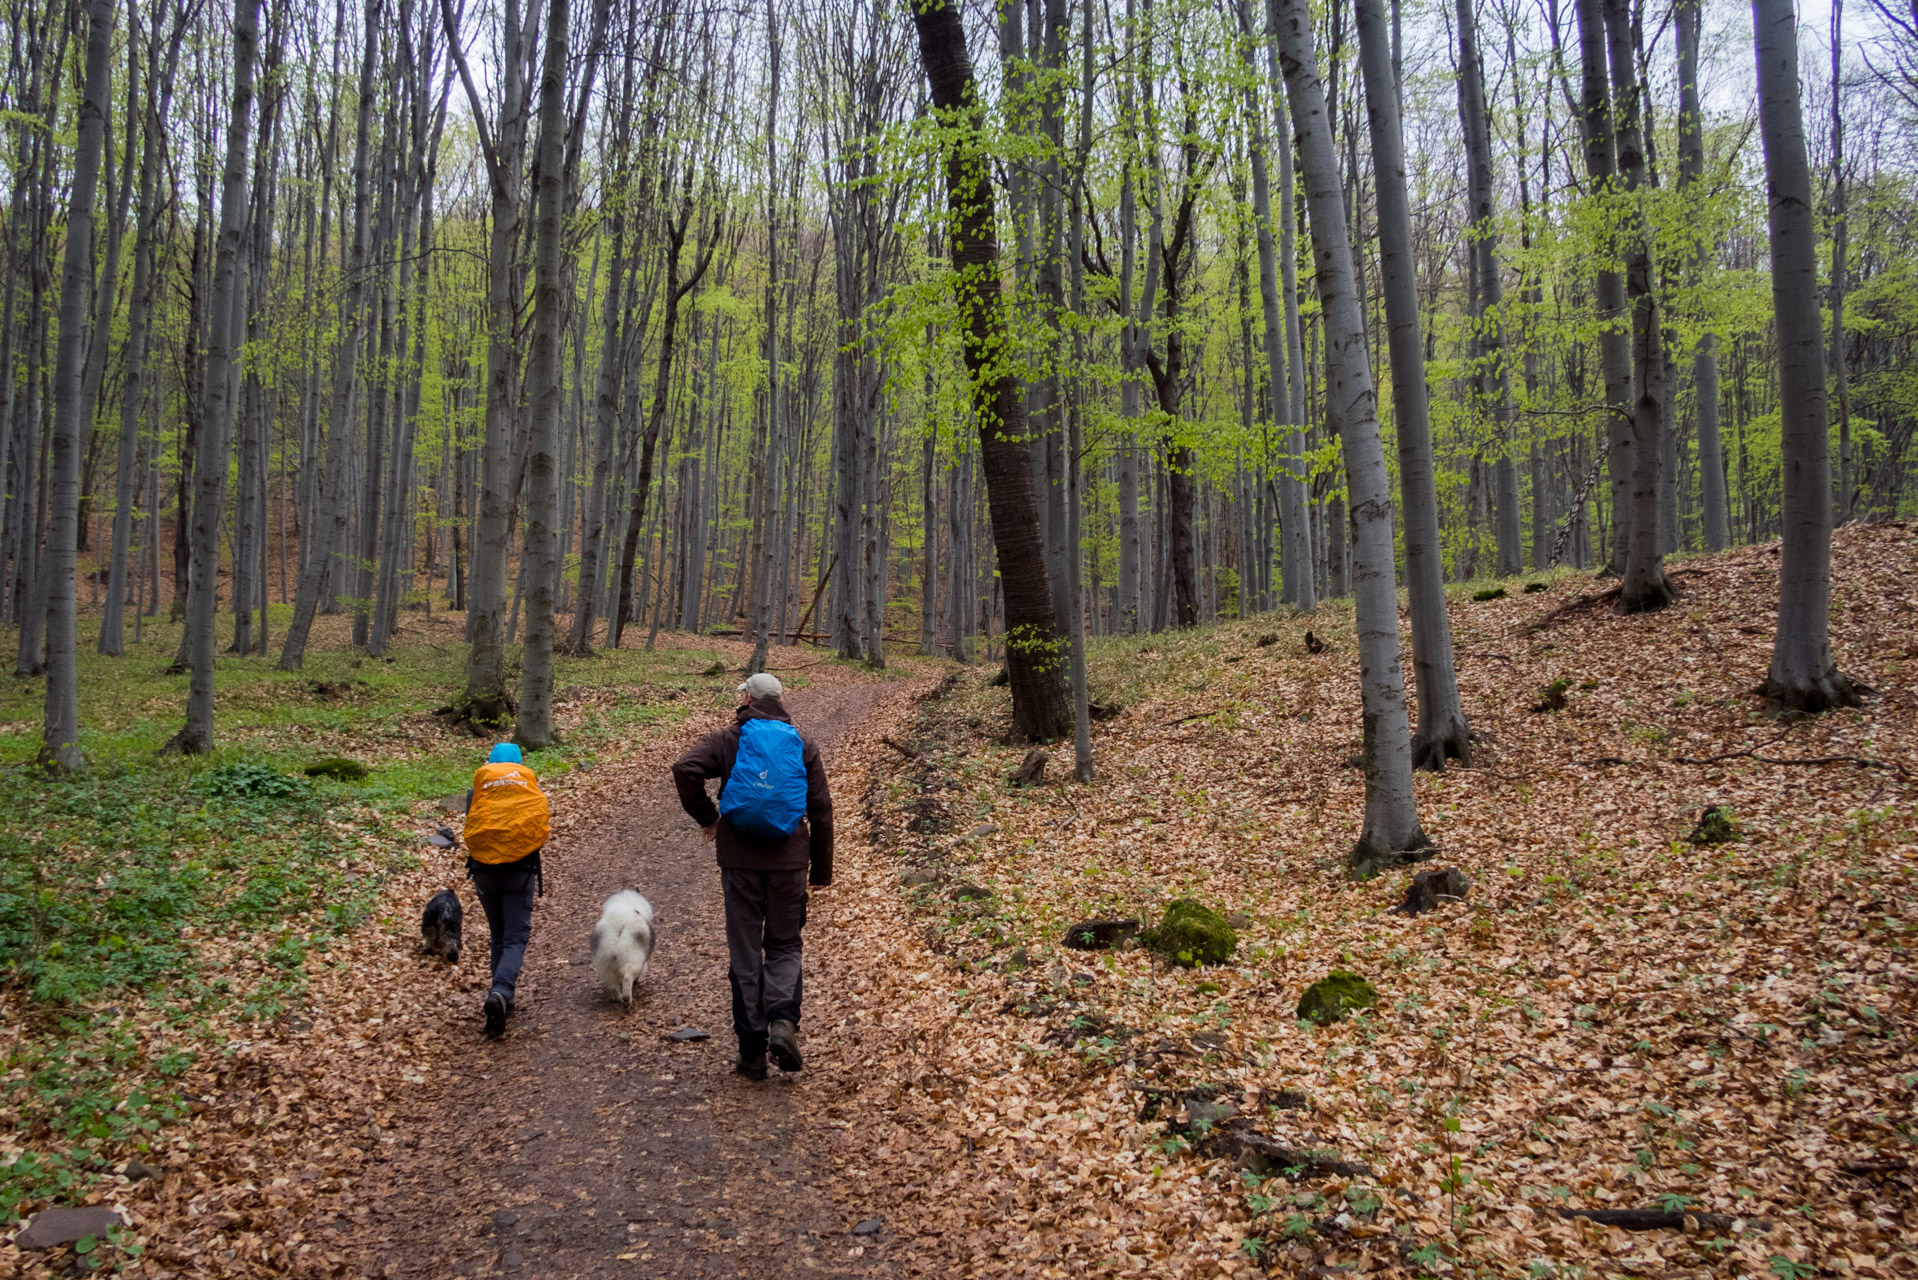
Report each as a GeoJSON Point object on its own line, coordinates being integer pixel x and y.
{"type": "Point", "coordinates": [585, 1143]}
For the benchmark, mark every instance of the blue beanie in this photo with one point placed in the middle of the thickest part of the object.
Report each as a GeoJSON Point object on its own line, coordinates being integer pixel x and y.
{"type": "Point", "coordinates": [504, 753]}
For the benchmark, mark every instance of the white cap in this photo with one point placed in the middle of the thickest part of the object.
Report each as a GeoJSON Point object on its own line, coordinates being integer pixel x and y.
{"type": "Point", "coordinates": [763, 685]}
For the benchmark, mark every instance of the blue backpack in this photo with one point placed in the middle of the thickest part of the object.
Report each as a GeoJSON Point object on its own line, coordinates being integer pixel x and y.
{"type": "Point", "coordinates": [765, 795]}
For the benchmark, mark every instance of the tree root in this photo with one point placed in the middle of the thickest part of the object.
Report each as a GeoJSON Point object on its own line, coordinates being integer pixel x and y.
{"type": "Point", "coordinates": [1369, 856]}
{"type": "Point", "coordinates": [1590, 599]}
{"type": "Point", "coordinates": [1825, 692]}
{"type": "Point", "coordinates": [1446, 738]}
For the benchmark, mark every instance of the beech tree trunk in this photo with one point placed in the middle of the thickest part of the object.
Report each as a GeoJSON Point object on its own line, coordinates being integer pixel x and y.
{"type": "Point", "coordinates": [60, 737]}
{"type": "Point", "coordinates": [547, 397]}
{"type": "Point", "coordinates": [1035, 652]}
{"type": "Point", "coordinates": [1614, 339]}
{"type": "Point", "coordinates": [1691, 170]}
{"type": "Point", "coordinates": [1442, 730]}
{"type": "Point", "coordinates": [485, 702]}
{"type": "Point", "coordinates": [216, 416]}
{"type": "Point", "coordinates": [1391, 831]}
{"type": "Point", "coordinates": [1492, 375]}
{"type": "Point", "coordinates": [329, 534]}
{"type": "Point", "coordinates": [159, 92]}
{"type": "Point", "coordinates": [1645, 586]}
{"type": "Point", "coordinates": [1804, 679]}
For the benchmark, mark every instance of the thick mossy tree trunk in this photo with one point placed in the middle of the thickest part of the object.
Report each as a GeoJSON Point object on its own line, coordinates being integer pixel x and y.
{"type": "Point", "coordinates": [1392, 834]}
{"type": "Point", "coordinates": [1443, 731]}
{"type": "Point", "coordinates": [1035, 652]}
{"type": "Point", "coordinates": [216, 414]}
{"type": "Point", "coordinates": [60, 741]}
{"type": "Point", "coordinates": [1804, 679]}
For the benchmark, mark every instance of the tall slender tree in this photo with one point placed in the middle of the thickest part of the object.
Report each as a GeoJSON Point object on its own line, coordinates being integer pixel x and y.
{"type": "Point", "coordinates": [1035, 652]}
{"type": "Point", "coordinates": [1803, 679]}
{"type": "Point", "coordinates": [216, 411]}
{"type": "Point", "coordinates": [1442, 732]}
{"type": "Point", "coordinates": [1391, 834]}
{"type": "Point", "coordinates": [1713, 500]}
{"type": "Point", "coordinates": [60, 737]}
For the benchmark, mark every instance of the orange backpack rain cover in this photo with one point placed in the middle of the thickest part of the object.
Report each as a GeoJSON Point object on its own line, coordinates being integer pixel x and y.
{"type": "Point", "coordinates": [509, 816]}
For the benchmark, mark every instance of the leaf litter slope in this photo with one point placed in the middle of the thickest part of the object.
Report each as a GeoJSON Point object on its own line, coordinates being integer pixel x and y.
{"type": "Point", "coordinates": [1615, 1018]}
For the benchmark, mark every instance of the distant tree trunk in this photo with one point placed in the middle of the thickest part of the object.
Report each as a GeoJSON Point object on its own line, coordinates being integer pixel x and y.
{"type": "Point", "coordinates": [60, 739]}
{"type": "Point", "coordinates": [1614, 339]}
{"type": "Point", "coordinates": [216, 416]}
{"type": "Point", "coordinates": [329, 533]}
{"type": "Point", "coordinates": [612, 370]}
{"type": "Point", "coordinates": [1691, 171]}
{"type": "Point", "coordinates": [1803, 679]}
{"type": "Point", "coordinates": [675, 291]}
{"type": "Point", "coordinates": [1492, 375]}
{"type": "Point", "coordinates": [1392, 827]}
{"type": "Point", "coordinates": [1034, 649]}
{"type": "Point", "coordinates": [1645, 586]}
{"type": "Point", "coordinates": [1277, 405]}
{"type": "Point", "coordinates": [1443, 731]}
{"type": "Point", "coordinates": [139, 315]}
{"type": "Point", "coordinates": [1074, 452]}
{"type": "Point", "coordinates": [1296, 582]}
{"type": "Point", "coordinates": [1130, 604]}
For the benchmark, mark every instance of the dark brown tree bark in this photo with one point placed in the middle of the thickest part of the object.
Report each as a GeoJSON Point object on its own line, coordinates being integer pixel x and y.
{"type": "Point", "coordinates": [1035, 652]}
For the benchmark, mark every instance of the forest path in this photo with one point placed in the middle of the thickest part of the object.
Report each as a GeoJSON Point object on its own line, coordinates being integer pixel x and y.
{"type": "Point", "coordinates": [587, 1144]}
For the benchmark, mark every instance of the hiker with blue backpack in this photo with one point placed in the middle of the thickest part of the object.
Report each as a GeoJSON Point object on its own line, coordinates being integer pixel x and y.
{"type": "Point", "coordinates": [772, 829]}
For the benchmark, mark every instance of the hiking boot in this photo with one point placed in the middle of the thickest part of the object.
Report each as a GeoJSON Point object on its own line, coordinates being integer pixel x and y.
{"type": "Point", "coordinates": [782, 1041]}
{"type": "Point", "coordinates": [751, 1068]}
{"type": "Point", "coordinates": [497, 1008]}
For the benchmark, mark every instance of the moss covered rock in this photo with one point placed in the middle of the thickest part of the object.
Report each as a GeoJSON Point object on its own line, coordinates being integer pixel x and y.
{"type": "Point", "coordinates": [338, 768]}
{"type": "Point", "coordinates": [1334, 996]}
{"type": "Point", "coordinates": [1191, 935]}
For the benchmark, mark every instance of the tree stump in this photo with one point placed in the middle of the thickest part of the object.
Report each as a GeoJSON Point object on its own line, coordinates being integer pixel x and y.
{"type": "Point", "coordinates": [1032, 770]}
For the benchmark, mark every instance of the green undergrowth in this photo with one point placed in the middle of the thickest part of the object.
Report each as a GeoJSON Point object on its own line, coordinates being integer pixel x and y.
{"type": "Point", "coordinates": [153, 908]}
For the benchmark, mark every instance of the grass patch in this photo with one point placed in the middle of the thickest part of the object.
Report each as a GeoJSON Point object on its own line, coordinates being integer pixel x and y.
{"type": "Point", "coordinates": [152, 908]}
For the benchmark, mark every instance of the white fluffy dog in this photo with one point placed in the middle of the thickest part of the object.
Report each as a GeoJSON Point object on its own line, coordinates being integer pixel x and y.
{"type": "Point", "coordinates": [623, 942]}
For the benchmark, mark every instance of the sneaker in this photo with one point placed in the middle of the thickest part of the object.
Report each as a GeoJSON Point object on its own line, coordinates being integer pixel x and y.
{"type": "Point", "coordinates": [751, 1068]}
{"type": "Point", "coordinates": [497, 1008]}
{"type": "Point", "coordinates": [782, 1041]}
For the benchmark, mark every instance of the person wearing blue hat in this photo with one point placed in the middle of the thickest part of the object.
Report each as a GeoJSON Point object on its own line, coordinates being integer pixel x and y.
{"type": "Point", "coordinates": [507, 823]}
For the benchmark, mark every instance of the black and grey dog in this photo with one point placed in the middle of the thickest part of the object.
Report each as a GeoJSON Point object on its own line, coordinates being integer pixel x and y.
{"type": "Point", "coordinates": [440, 926]}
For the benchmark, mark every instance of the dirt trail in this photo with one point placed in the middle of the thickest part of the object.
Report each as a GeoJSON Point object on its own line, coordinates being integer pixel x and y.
{"type": "Point", "coordinates": [585, 1143]}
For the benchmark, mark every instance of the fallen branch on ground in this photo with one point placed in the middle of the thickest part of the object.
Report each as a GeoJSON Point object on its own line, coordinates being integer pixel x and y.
{"type": "Point", "coordinates": [907, 752]}
{"type": "Point", "coordinates": [1589, 600]}
{"type": "Point", "coordinates": [1863, 762]}
{"type": "Point", "coordinates": [1662, 1220]}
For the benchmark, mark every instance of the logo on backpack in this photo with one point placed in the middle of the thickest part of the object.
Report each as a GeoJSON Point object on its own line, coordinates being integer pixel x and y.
{"type": "Point", "coordinates": [765, 795]}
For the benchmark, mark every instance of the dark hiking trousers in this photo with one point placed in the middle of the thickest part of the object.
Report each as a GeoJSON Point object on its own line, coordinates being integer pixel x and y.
{"type": "Point", "coordinates": [506, 895]}
{"type": "Point", "coordinates": [765, 911]}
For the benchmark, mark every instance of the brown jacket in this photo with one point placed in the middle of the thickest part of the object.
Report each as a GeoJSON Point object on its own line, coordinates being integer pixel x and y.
{"type": "Point", "coordinates": [712, 757]}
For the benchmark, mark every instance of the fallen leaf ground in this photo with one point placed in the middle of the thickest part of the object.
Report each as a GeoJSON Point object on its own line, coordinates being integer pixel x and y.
{"type": "Point", "coordinates": [1614, 1018]}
